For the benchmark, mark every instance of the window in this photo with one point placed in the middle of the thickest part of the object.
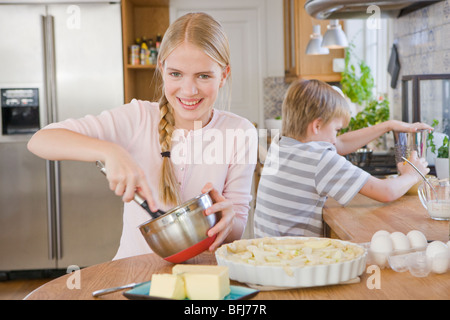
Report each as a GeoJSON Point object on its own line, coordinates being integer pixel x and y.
{"type": "Point", "coordinates": [373, 46]}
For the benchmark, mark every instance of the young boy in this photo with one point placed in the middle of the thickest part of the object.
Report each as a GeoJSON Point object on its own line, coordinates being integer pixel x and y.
{"type": "Point", "coordinates": [305, 165]}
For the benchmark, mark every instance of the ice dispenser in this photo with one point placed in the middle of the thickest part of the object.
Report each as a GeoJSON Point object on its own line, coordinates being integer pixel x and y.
{"type": "Point", "coordinates": [20, 110]}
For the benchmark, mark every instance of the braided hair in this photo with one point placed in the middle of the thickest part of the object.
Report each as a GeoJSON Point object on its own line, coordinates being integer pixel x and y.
{"type": "Point", "coordinates": [168, 187]}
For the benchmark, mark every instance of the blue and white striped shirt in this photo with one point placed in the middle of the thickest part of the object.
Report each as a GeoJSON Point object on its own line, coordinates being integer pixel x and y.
{"type": "Point", "coordinates": [295, 182]}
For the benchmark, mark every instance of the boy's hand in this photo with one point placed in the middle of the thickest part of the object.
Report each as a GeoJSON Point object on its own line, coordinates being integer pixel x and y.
{"type": "Point", "coordinates": [404, 168]}
{"type": "Point", "coordinates": [401, 126]}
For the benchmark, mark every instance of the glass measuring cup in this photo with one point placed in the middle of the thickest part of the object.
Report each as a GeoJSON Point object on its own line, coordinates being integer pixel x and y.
{"type": "Point", "coordinates": [437, 203]}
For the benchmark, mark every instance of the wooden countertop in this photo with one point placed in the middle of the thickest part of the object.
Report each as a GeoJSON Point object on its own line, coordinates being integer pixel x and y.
{"type": "Point", "coordinates": [360, 219]}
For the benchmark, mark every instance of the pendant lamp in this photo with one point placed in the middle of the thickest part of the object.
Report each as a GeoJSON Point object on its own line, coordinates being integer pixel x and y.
{"type": "Point", "coordinates": [314, 46]}
{"type": "Point", "coordinates": [334, 38]}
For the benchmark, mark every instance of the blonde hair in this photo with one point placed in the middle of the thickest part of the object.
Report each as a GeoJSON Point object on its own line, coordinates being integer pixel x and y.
{"type": "Point", "coordinates": [201, 30]}
{"type": "Point", "coordinates": [307, 100]}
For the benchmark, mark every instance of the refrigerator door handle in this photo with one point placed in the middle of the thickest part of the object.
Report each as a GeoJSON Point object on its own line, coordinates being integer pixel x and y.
{"type": "Point", "coordinates": [58, 215]}
{"type": "Point", "coordinates": [54, 210]}
{"type": "Point", "coordinates": [49, 66]}
{"type": "Point", "coordinates": [49, 166]}
{"type": "Point", "coordinates": [53, 172]}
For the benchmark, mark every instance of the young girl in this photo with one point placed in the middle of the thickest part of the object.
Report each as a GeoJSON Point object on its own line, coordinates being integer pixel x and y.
{"type": "Point", "coordinates": [137, 141]}
{"type": "Point", "coordinates": [305, 165]}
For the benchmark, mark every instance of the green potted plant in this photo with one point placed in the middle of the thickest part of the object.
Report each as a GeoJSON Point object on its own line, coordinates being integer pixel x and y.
{"type": "Point", "coordinates": [441, 163]}
{"type": "Point", "coordinates": [375, 111]}
{"type": "Point", "coordinates": [358, 87]}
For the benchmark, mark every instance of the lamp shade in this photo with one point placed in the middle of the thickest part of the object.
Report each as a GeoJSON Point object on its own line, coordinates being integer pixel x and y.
{"type": "Point", "coordinates": [334, 38]}
{"type": "Point", "coordinates": [314, 46]}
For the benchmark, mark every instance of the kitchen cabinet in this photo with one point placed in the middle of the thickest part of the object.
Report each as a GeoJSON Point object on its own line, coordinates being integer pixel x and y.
{"type": "Point", "coordinates": [142, 18]}
{"type": "Point", "coordinates": [298, 27]}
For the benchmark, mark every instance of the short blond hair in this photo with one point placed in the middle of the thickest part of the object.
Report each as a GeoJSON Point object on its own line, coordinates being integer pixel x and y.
{"type": "Point", "coordinates": [308, 100]}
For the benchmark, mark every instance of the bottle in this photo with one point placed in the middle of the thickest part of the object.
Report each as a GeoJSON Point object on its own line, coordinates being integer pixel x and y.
{"type": "Point", "coordinates": [145, 54]}
{"type": "Point", "coordinates": [158, 41]}
{"type": "Point", "coordinates": [144, 40]}
{"type": "Point", "coordinates": [150, 44]}
{"type": "Point", "coordinates": [153, 52]}
{"type": "Point", "coordinates": [134, 54]}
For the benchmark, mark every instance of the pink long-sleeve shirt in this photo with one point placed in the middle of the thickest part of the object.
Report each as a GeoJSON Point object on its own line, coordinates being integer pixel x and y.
{"type": "Point", "coordinates": [223, 152]}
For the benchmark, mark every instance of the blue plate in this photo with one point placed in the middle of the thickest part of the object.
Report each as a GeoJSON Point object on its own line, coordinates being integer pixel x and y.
{"type": "Point", "coordinates": [140, 292]}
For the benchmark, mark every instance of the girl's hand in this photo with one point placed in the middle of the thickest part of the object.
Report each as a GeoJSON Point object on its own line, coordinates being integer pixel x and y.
{"type": "Point", "coordinates": [126, 178]}
{"type": "Point", "coordinates": [401, 126]}
{"type": "Point", "coordinates": [225, 213]}
{"type": "Point", "coordinates": [420, 163]}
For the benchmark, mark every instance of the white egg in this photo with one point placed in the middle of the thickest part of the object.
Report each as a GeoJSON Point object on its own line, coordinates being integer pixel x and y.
{"type": "Point", "coordinates": [381, 243]}
{"type": "Point", "coordinates": [417, 239]}
{"type": "Point", "coordinates": [380, 233]}
{"type": "Point", "coordinates": [380, 248]}
{"type": "Point", "coordinates": [400, 241]}
{"type": "Point", "coordinates": [438, 253]}
{"type": "Point", "coordinates": [435, 248]}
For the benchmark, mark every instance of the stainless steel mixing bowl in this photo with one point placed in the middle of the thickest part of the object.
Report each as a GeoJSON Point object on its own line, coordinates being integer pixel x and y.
{"type": "Point", "coordinates": [361, 157]}
{"type": "Point", "coordinates": [181, 233]}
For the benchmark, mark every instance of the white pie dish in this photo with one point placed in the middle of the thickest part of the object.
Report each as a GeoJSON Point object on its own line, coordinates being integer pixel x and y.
{"type": "Point", "coordinates": [292, 276]}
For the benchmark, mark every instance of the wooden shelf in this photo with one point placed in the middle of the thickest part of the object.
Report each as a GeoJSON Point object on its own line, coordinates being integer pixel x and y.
{"type": "Point", "coordinates": [142, 18]}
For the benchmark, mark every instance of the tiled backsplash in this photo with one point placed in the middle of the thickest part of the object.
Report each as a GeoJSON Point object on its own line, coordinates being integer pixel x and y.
{"type": "Point", "coordinates": [423, 44]}
{"type": "Point", "coordinates": [274, 90]}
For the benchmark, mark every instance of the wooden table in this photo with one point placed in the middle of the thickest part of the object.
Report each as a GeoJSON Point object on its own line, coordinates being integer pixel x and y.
{"type": "Point", "coordinates": [359, 220]}
{"type": "Point", "coordinates": [140, 268]}
{"type": "Point", "coordinates": [356, 222]}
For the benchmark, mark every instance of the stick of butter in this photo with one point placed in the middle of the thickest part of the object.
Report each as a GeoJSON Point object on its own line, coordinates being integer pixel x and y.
{"type": "Point", "coordinates": [167, 285]}
{"type": "Point", "coordinates": [204, 282]}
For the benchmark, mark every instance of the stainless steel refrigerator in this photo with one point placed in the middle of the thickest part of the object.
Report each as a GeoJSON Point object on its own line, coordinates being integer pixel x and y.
{"type": "Point", "coordinates": [57, 61]}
